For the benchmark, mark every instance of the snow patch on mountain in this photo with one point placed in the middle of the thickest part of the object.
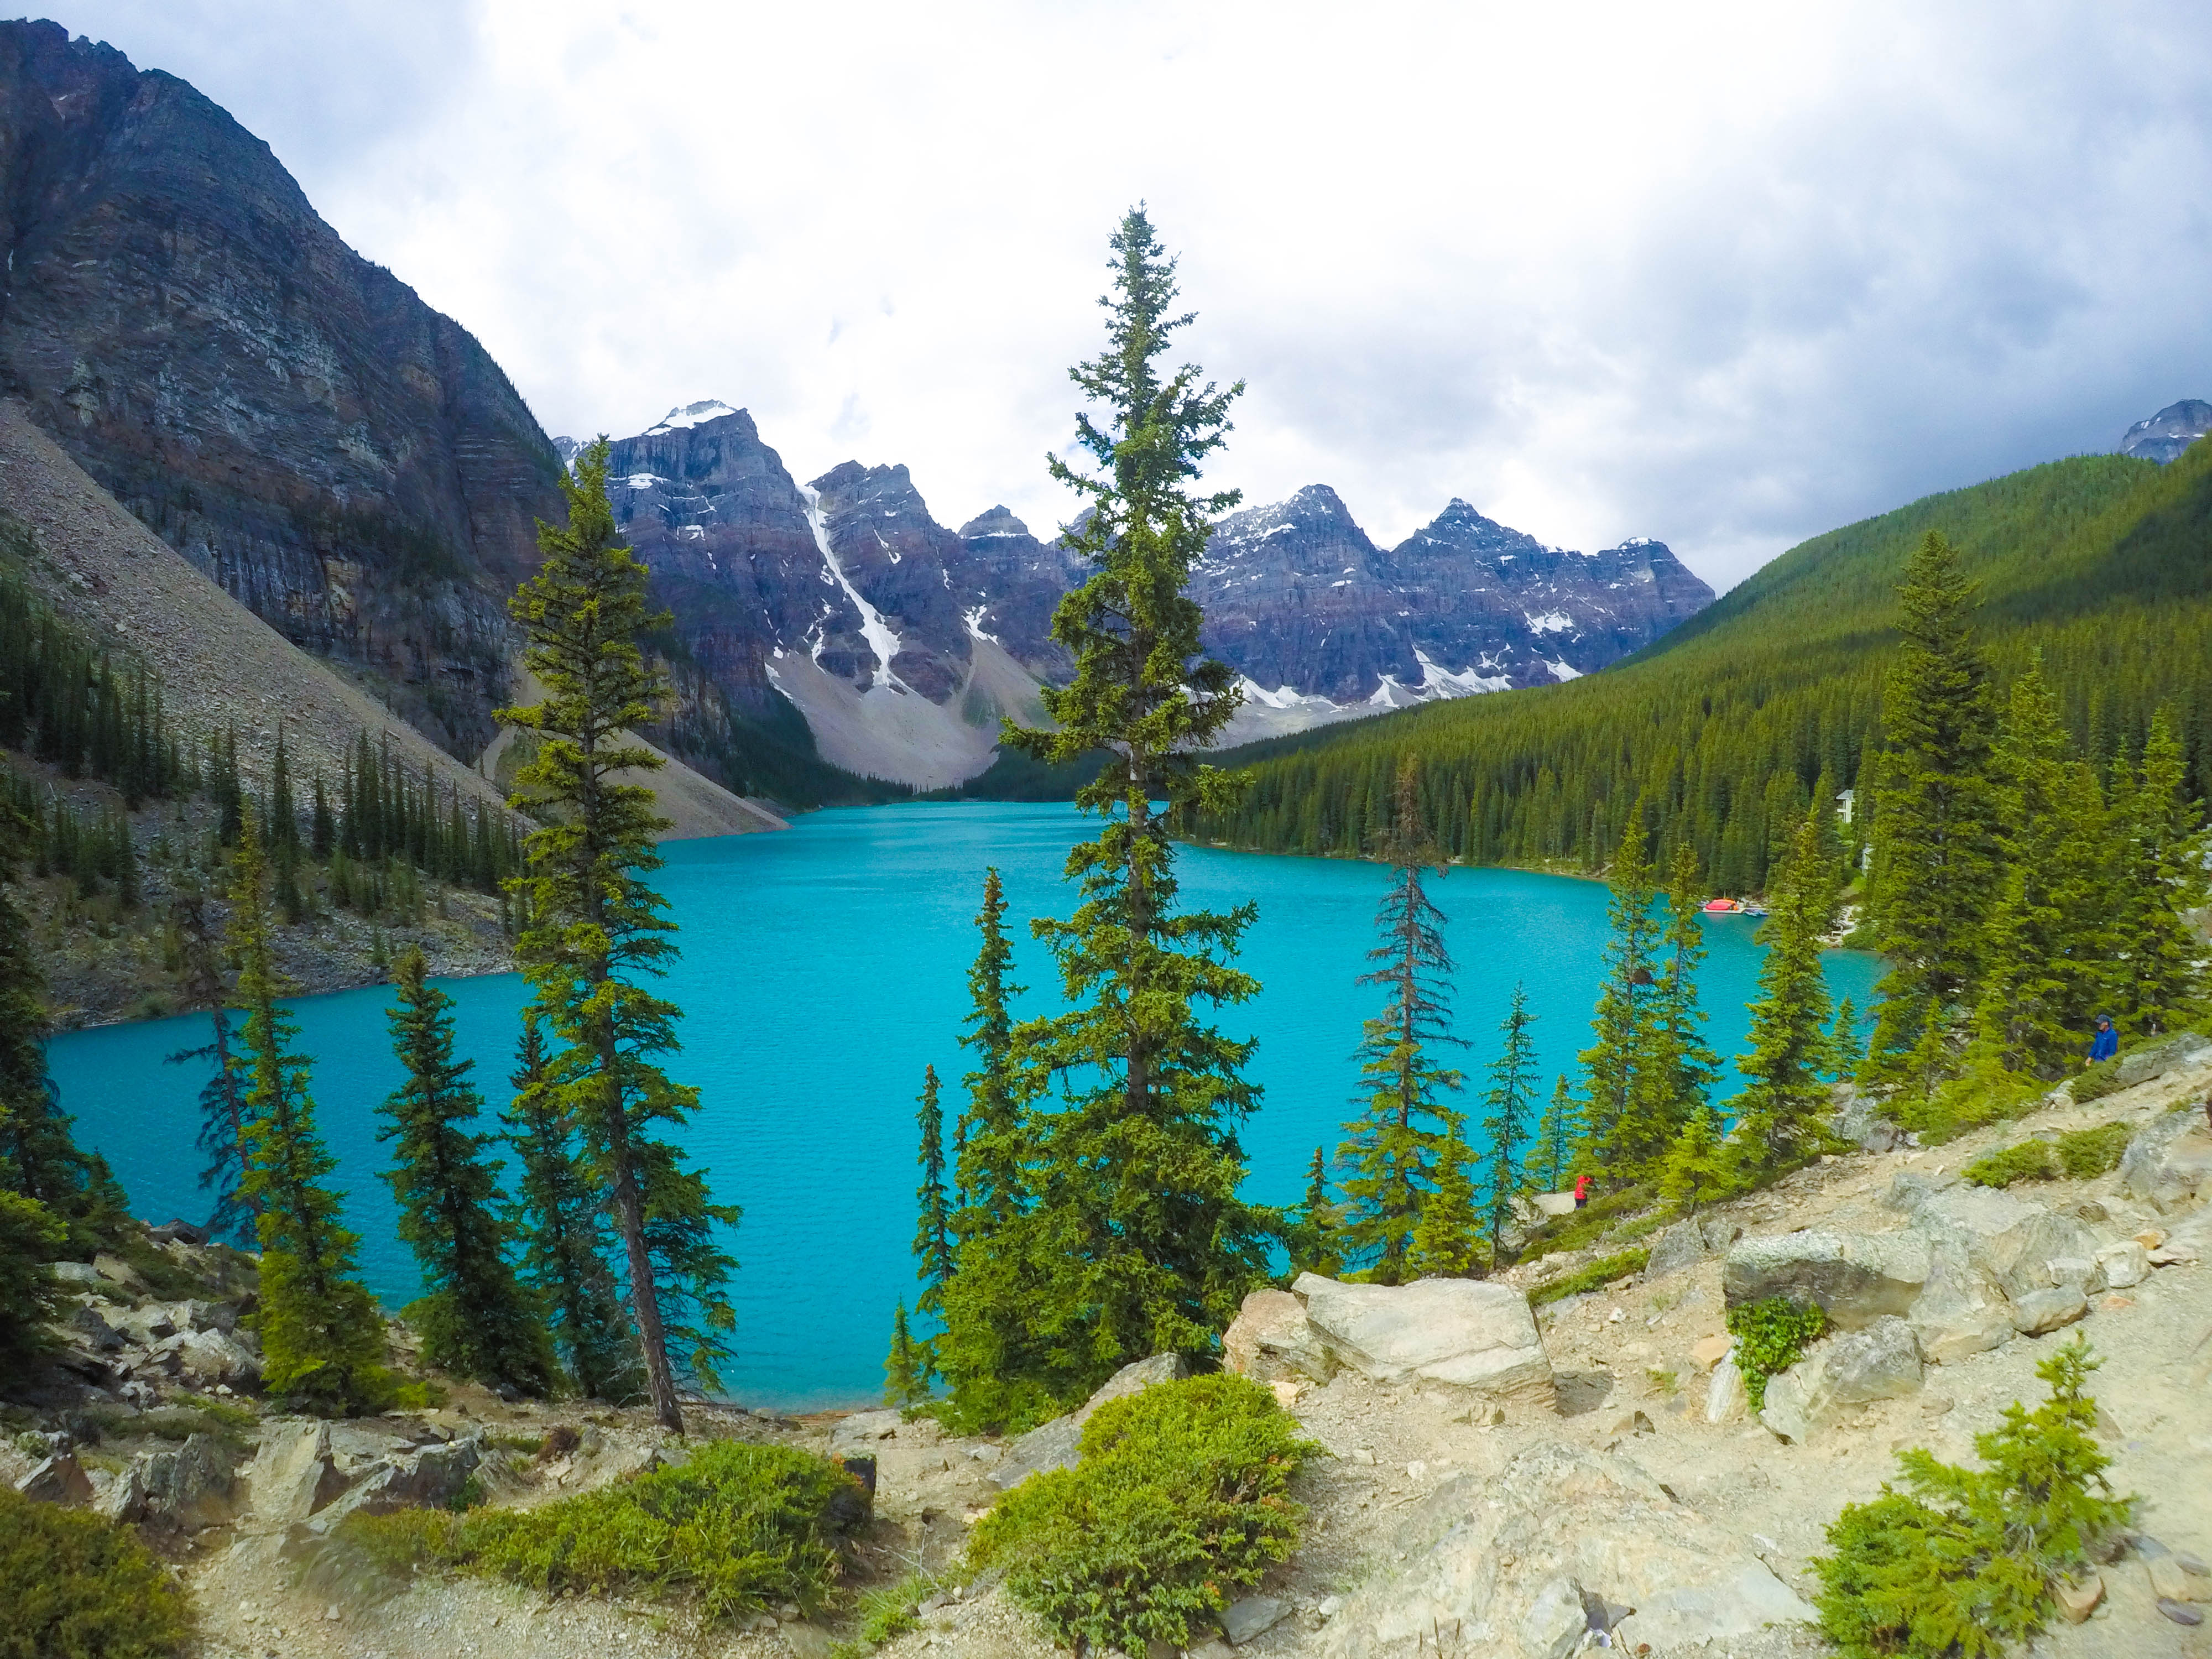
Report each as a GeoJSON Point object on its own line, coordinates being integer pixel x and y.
{"type": "Point", "coordinates": [873, 629]}
{"type": "Point", "coordinates": [690, 415]}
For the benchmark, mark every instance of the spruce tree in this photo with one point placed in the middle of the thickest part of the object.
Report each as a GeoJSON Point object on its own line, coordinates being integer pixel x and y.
{"type": "Point", "coordinates": [596, 931]}
{"type": "Point", "coordinates": [988, 1171]}
{"type": "Point", "coordinates": [2160, 980]}
{"type": "Point", "coordinates": [1700, 1166]}
{"type": "Point", "coordinates": [2049, 949]}
{"type": "Point", "coordinates": [1935, 871]}
{"type": "Point", "coordinates": [1447, 1241]}
{"type": "Point", "coordinates": [1138, 1227]}
{"type": "Point", "coordinates": [31, 1299]}
{"type": "Point", "coordinates": [566, 1240]}
{"type": "Point", "coordinates": [1557, 1133]}
{"type": "Point", "coordinates": [1680, 1066]}
{"type": "Point", "coordinates": [475, 1318]}
{"type": "Point", "coordinates": [906, 1369]}
{"type": "Point", "coordinates": [1781, 1117]}
{"type": "Point", "coordinates": [322, 1338]}
{"type": "Point", "coordinates": [222, 1135]}
{"type": "Point", "coordinates": [1394, 1150]}
{"type": "Point", "coordinates": [1512, 1092]}
{"type": "Point", "coordinates": [932, 1237]}
{"type": "Point", "coordinates": [1314, 1239]}
{"type": "Point", "coordinates": [1623, 1136]}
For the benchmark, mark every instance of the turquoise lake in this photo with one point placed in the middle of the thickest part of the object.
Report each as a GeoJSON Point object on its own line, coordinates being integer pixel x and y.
{"type": "Point", "coordinates": [822, 968]}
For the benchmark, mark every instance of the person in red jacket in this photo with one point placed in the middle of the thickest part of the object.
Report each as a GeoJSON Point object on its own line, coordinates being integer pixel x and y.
{"type": "Point", "coordinates": [1581, 1191]}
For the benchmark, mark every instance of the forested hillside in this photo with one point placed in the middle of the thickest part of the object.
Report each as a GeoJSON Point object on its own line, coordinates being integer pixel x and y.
{"type": "Point", "coordinates": [1725, 728]}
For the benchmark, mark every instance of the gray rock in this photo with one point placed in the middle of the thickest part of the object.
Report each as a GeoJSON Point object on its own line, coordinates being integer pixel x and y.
{"type": "Point", "coordinates": [1057, 1444]}
{"type": "Point", "coordinates": [1557, 1521]}
{"type": "Point", "coordinates": [2009, 1240]}
{"type": "Point", "coordinates": [1960, 1311]}
{"type": "Point", "coordinates": [2038, 1311]}
{"type": "Point", "coordinates": [1253, 1616]}
{"type": "Point", "coordinates": [1555, 1621]}
{"type": "Point", "coordinates": [2124, 1264]}
{"type": "Point", "coordinates": [1857, 1278]}
{"type": "Point", "coordinates": [1859, 1121]}
{"type": "Point", "coordinates": [83, 1274]}
{"type": "Point", "coordinates": [2169, 1164]}
{"type": "Point", "coordinates": [89, 1330]}
{"type": "Point", "coordinates": [123, 1498]}
{"type": "Point", "coordinates": [1727, 1401]}
{"type": "Point", "coordinates": [1270, 1341]}
{"type": "Point", "coordinates": [1682, 1245]}
{"type": "Point", "coordinates": [59, 1480]}
{"type": "Point", "coordinates": [1475, 1334]}
{"type": "Point", "coordinates": [213, 1355]}
{"type": "Point", "coordinates": [2177, 1053]}
{"type": "Point", "coordinates": [192, 1487]}
{"type": "Point", "coordinates": [862, 1426]}
{"type": "Point", "coordinates": [1909, 1188]}
{"type": "Point", "coordinates": [293, 1476]}
{"type": "Point", "coordinates": [1881, 1362]}
{"type": "Point", "coordinates": [431, 1477]}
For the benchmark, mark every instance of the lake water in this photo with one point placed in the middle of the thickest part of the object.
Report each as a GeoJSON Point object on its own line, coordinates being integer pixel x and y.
{"type": "Point", "coordinates": [822, 968]}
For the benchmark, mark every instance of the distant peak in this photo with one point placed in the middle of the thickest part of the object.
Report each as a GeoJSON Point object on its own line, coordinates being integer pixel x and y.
{"type": "Point", "coordinates": [690, 415]}
{"type": "Point", "coordinates": [994, 521]}
{"type": "Point", "coordinates": [2166, 434]}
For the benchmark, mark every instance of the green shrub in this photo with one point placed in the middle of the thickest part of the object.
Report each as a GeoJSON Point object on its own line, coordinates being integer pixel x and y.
{"type": "Point", "coordinates": [2030, 1160]}
{"type": "Point", "coordinates": [1602, 1271]}
{"type": "Point", "coordinates": [79, 1587]}
{"type": "Point", "coordinates": [745, 1526]}
{"type": "Point", "coordinates": [1769, 1338]}
{"type": "Point", "coordinates": [1179, 1499]}
{"type": "Point", "coordinates": [1590, 1222]}
{"type": "Point", "coordinates": [2095, 1082]}
{"type": "Point", "coordinates": [2089, 1153]}
{"type": "Point", "coordinates": [29, 1239]}
{"type": "Point", "coordinates": [1956, 1566]}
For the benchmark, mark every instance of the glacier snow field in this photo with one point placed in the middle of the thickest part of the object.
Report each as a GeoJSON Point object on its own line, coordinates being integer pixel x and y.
{"type": "Point", "coordinates": [823, 968]}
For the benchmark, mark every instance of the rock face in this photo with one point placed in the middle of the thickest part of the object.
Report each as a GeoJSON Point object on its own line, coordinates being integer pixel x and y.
{"type": "Point", "coordinates": [1270, 1341]}
{"type": "Point", "coordinates": [1857, 1278]}
{"type": "Point", "coordinates": [2176, 1054]}
{"type": "Point", "coordinates": [2169, 1164]}
{"type": "Point", "coordinates": [1474, 1334]}
{"type": "Point", "coordinates": [1301, 603]}
{"type": "Point", "coordinates": [2166, 434]}
{"type": "Point", "coordinates": [1560, 1542]}
{"type": "Point", "coordinates": [350, 463]}
{"type": "Point", "coordinates": [1881, 1362]}
{"type": "Point", "coordinates": [1057, 1444]}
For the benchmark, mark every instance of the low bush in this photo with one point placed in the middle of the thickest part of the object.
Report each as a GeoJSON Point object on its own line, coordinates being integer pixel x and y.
{"type": "Point", "coordinates": [1598, 1274]}
{"type": "Point", "coordinates": [1180, 1498]}
{"type": "Point", "coordinates": [1956, 1566]}
{"type": "Point", "coordinates": [1769, 1338]}
{"type": "Point", "coordinates": [2088, 1154]}
{"type": "Point", "coordinates": [79, 1587]}
{"type": "Point", "coordinates": [2095, 1082]}
{"type": "Point", "coordinates": [2030, 1160]}
{"type": "Point", "coordinates": [743, 1527]}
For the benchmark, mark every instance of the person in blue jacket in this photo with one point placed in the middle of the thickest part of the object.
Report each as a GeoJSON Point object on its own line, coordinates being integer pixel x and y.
{"type": "Point", "coordinates": [2106, 1042]}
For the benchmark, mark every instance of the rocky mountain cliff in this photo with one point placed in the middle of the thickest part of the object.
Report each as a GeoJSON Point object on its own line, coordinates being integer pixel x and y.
{"type": "Point", "coordinates": [2166, 434]}
{"type": "Point", "coordinates": [1324, 625]}
{"type": "Point", "coordinates": [347, 462]}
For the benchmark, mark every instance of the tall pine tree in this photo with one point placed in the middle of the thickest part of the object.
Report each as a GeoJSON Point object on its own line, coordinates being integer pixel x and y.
{"type": "Point", "coordinates": [990, 1143]}
{"type": "Point", "coordinates": [1623, 1132]}
{"type": "Point", "coordinates": [2161, 874]}
{"type": "Point", "coordinates": [1394, 1150]}
{"type": "Point", "coordinates": [596, 932]}
{"type": "Point", "coordinates": [1935, 869]}
{"type": "Point", "coordinates": [1138, 1227]}
{"type": "Point", "coordinates": [562, 1221]}
{"type": "Point", "coordinates": [1781, 1118]}
{"type": "Point", "coordinates": [475, 1318]}
{"type": "Point", "coordinates": [322, 1338]}
{"type": "Point", "coordinates": [1512, 1092]}
{"type": "Point", "coordinates": [1552, 1155]}
{"type": "Point", "coordinates": [222, 1135]}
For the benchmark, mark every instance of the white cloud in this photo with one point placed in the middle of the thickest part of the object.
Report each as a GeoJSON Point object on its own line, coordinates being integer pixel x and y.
{"type": "Point", "coordinates": [1727, 279]}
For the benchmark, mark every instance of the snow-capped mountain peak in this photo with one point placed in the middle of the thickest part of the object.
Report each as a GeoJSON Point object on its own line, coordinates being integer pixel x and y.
{"type": "Point", "coordinates": [690, 415]}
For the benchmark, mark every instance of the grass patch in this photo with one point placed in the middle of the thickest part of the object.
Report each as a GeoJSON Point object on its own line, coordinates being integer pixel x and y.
{"type": "Point", "coordinates": [82, 1588]}
{"type": "Point", "coordinates": [233, 1424]}
{"type": "Point", "coordinates": [2088, 1154]}
{"type": "Point", "coordinates": [743, 1527]}
{"type": "Point", "coordinates": [1589, 1224]}
{"type": "Point", "coordinates": [1599, 1273]}
{"type": "Point", "coordinates": [1180, 1499]}
{"type": "Point", "coordinates": [1769, 1338]}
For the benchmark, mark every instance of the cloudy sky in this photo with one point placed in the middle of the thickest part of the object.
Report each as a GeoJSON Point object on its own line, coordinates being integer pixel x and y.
{"type": "Point", "coordinates": [1727, 277]}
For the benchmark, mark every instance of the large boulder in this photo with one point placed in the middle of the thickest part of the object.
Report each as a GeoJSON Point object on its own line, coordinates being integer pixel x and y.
{"type": "Point", "coordinates": [2010, 1241]}
{"type": "Point", "coordinates": [213, 1355]}
{"type": "Point", "coordinates": [1682, 1245]}
{"type": "Point", "coordinates": [2169, 1164]}
{"type": "Point", "coordinates": [1960, 1311]}
{"type": "Point", "coordinates": [1561, 1541]}
{"type": "Point", "coordinates": [192, 1487]}
{"type": "Point", "coordinates": [2177, 1053]}
{"type": "Point", "coordinates": [1471, 1333]}
{"type": "Point", "coordinates": [1857, 1278]}
{"type": "Point", "coordinates": [1057, 1444]}
{"type": "Point", "coordinates": [1270, 1341]}
{"type": "Point", "coordinates": [293, 1475]}
{"type": "Point", "coordinates": [433, 1477]}
{"type": "Point", "coordinates": [58, 1480]}
{"type": "Point", "coordinates": [1881, 1362]}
